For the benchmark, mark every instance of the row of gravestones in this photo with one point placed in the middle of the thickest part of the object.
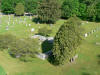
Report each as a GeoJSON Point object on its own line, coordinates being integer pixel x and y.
{"type": "Point", "coordinates": [89, 33]}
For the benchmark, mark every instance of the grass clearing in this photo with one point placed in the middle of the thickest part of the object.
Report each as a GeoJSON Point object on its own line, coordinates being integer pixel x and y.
{"type": "Point", "coordinates": [88, 62]}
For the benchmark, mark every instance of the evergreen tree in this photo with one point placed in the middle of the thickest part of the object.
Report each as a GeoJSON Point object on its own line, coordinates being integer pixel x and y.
{"type": "Point", "coordinates": [66, 41]}
{"type": "Point", "coordinates": [70, 8]}
{"type": "Point", "coordinates": [19, 10]}
{"type": "Point", "coordinates": [98, 11]}
{"type": "Point", "coordinates": [31, 6]}
{"type": "Point", "coordinates": [49, 11]}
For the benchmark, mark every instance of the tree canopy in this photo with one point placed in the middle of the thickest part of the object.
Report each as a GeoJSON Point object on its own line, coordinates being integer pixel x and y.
{"type": "Point", "coordinates": [66, 41]}
{"type": "Point", "coordinates": [49, 11]}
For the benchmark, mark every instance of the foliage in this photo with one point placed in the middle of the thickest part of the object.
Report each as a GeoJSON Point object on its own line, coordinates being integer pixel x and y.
{"type": "Point", "coordinates": [66, 41]}
{"type": "Point", "coordinates": [6, 40]}
{"type": "Point", "coordinates": [31, 6]}
{"type": "Point", "coordinates": [98, 11]}
{"type": "Point", "coordinates": [24, 48]}
{"type": "Point", "coordinates": [70, 8]}
{"type": "Point", "coordinates": [7, 6]}
{"type": "Point", "coordinates": [44, 31]}
{"type": "Point", "coordinates": [19, 9]}
{"type": "Point", "coordinates": [82, 10]}
{"type": "Point", "coordinates": [49, 11]}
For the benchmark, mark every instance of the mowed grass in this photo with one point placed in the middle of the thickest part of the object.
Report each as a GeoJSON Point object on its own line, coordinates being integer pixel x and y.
{"type": "Point", "coordinates": [2, 72]}
{"type": "Point", "coordinates": [88, 62]}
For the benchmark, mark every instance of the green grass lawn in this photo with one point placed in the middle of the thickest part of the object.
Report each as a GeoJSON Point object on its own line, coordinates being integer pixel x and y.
{"type": "Point", "coordinates": [88, 62]}
{"type": "Point", "coordinates": [2, 72]}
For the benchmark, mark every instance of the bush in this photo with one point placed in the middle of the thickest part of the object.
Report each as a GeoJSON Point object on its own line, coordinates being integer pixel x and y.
{"type": "Point", "coordinates": [6, 40]}
{"type": "Point", "coordinates": [19, 48]}
{"type": "Point", "coordinates": [19, 9]}
{"type": "Point", "coordinates": [44, 31]}
{"type": "Point", "coordinates": [49, 11]}
{"type": "Point", "coordinates": [23, 48]}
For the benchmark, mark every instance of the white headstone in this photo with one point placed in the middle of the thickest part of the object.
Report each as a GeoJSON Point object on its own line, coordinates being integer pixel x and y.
{"type": "Point", "coordinates": [29, 24]}
{"type": "Point", "coordinates": [86, 35]}
{"type": "Point", "coordinates": [32, 30]}
{"type": "Point", "coordinates": [7, 28]}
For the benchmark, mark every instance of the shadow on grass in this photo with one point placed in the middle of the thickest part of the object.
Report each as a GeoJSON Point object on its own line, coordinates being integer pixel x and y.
{"type": "Point", "coordinates": [98, 59]}
{"type": "Point", "coordinates": [52, 61]}
{"type": "Point", "coordinates": [84, 73]}
{"type": "Point", "coordinates": [37, 20]}
{"type": "Point", "coordinates": [46, 46]}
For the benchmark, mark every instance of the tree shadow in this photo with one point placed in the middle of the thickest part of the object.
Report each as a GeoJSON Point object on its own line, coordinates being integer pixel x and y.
{"type": "Point", "coordinates": [46, 46]}
{"type": "Point", "coordinates": [84, 73]}
{"type": "Point", "coordinates": [37, 20]}
{"type": "Point", "coordinates": [98, 59]}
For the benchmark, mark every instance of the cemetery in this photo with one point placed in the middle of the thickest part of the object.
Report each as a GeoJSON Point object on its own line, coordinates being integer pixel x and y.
{"type": "Point", "coordinates": [43, 37]}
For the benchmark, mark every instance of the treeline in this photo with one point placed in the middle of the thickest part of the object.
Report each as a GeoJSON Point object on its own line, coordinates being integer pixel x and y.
{"type": "Point", "coordinates": [52, 10]}
{"type": "Point", "coordinates": [8, 6]}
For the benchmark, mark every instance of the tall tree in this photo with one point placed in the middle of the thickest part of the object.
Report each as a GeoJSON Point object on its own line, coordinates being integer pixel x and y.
{"type": "Point", "coordinates": [49, 11]}
{"type": "Point", "coordinates": [98, 11]}
{"type": "Point", "coordinates": [31, 6]}
{"type": "Point", "coordinates": [66, 41]}
{"type": "Point", "coordinates": [19, 10]}
{"type": "Point", "coordinates": [70, 8]}
{"type": "Point", "coordinates": [8, 6]}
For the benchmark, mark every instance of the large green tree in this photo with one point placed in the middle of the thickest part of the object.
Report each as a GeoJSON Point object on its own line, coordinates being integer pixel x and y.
{"type": "Point", "coordinates": [66, 41]}
{"type": "Point", "coordinates": [31, 6]}
{"type": "Point", "coordinates": [98, 11]}
{"type": "Point", "coordinates": [8, 6]}
{"type": "Point", "coordinates": [19, 9]}
{"type": "Point", "coordinates": [70, 8]}
{"type": "Point", "coordinates": [49, 11]}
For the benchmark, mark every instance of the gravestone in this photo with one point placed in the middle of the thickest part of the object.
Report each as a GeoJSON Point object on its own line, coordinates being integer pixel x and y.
{"type": "Point", "coordinates": [42, 38]}
{"type": "Point", "coordinates": [32, 30]}
{"type": "Point", "coordinates": [42, 56]}
{"type": "Point", "coordinates": [7, 28]}
{"type": "Point", "coordinates": [38, 23]}
{"type": "Point", "coordinates": [51, 24]}
{"type": "Point", "coordinates": [29, 24]}
{"type": "Point", "coordinates": [97, 43]}
{"type": "Point", "coordinates": [86, 34]}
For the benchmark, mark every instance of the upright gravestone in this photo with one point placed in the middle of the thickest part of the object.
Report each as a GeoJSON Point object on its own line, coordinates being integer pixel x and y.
{"type": "Point", "coordinates": [7, 28]}
{"type": "Point", "coordinates": [86, 34]}
{"type": "Point", "coordinates": [32, 30]}
{"type": "Point", "coordinates": [29, 24]}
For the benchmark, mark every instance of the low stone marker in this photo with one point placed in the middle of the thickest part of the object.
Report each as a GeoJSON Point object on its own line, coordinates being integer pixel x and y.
{"type": "Point", "coordinates": [7, 28]}
{"type": "Point", "coordinates": [86, 35]}
{"type": "Point", "coordinates": [42, 56]}
{"type": "Point", "coordinates": [29, 24]}
{"type": "Point", "coordinates": [32, 30]}
{"type": "Point", "coordinates": [97, 43]}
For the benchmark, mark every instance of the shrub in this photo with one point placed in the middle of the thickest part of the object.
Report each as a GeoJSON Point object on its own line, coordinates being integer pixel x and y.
{"type": "Point", "coordinates": [44, 31]}
{"type": "Point", "coordinates": [66, 41]}
{"type": "Point", "coordinates": [6, 40]}
{"type": "Point", "coordinates": [23, 48]}
{"type": "Point", "coordinates": [49, 11]}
